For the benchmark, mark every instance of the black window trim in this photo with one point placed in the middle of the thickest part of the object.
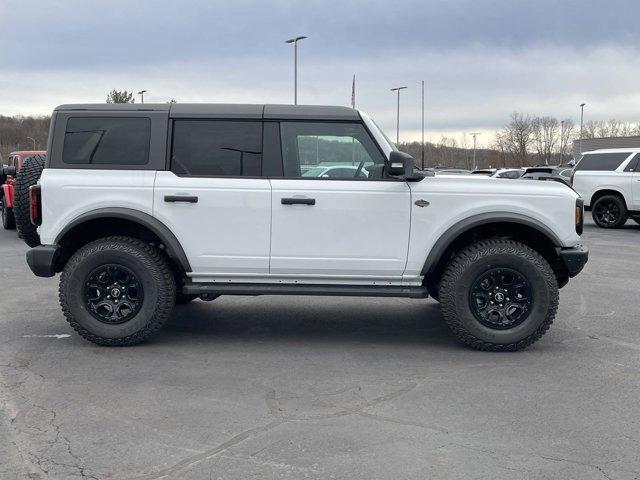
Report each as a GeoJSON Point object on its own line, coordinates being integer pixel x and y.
{"type": "Point", "coordinates": [110, 166]}
{"type": "Point", "coordinates": [170, 141]}
{"type": "Point", "coordinates": [632, 166]}
{"type": "Point", "coordinates": [367, 131]}
{"type": "Point", "coordinates": [586, 155]}
{"type": "Point", "coordinates": [157, 140]}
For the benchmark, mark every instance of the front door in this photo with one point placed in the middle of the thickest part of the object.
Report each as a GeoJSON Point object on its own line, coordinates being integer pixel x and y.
{"type": "Point", "coordinates": [334, 217]}
{"type": "Point", "coordinates": [213, 199]}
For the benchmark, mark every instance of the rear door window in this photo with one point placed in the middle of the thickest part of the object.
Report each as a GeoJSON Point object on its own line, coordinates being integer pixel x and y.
{"type": "Point", "coordinates": [107, 141]}
{"type": "Point", "coordinates": [217, 148]}
{"type": "Point", "coordinates": [601, 161]}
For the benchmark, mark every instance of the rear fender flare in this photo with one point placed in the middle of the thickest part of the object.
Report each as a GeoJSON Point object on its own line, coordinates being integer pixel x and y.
{"type": "Point", "coordinates": [167, 237]}
{"type": "Point", "coordinates": [7, 194]}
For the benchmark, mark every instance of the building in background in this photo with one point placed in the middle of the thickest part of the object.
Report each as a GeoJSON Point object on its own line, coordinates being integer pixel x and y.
{"type": "Point", "coordinates": [589, 144]}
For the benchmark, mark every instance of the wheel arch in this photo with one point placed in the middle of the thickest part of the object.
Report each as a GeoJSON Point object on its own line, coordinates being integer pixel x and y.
{"type": "Point", "coordinates": [607, 191]}
{"type": "Point", "coordinates": [106, 222]}
{"type": "Point", "coordinates": [519, 227]}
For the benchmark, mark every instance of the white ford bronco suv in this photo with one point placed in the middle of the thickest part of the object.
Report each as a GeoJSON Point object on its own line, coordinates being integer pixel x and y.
{"type": "Point", "coordinates": [145, 206]}
{"type": "Point", "coordinates": [609, 182]}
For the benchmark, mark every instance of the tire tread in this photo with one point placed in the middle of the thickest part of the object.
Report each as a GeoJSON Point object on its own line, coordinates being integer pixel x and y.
{"type": "Point", "coordinates": [467, 257]}
{"type": "Point", "coordinates": [163, 277]}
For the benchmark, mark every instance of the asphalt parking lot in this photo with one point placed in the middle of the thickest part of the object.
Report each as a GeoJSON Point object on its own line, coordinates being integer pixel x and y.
{"type": "Point", "coordinates": [344, 388]}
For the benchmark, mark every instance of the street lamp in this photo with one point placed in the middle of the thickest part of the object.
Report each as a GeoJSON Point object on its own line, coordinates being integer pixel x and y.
{"type": "Point", "coordinates": [474, 135]}
{"type": "Point", "coordinates": [34, 142]}
{"type": "Point", "coordinates": [422, 150]}
{"type": "Point", "coordinates": [561, 141]}
{"type": "Point", "coordinates": [581, 123]}
{"type": "Point", "coordinates": [397, 89]}
{"type": "Point", "coordinates": [141, 93]}
{"type": "Point", "coordinates": [295, 41]}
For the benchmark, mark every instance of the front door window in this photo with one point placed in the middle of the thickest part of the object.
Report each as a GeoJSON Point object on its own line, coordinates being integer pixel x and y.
{"type": "Point", "coordinates": [330, 151]}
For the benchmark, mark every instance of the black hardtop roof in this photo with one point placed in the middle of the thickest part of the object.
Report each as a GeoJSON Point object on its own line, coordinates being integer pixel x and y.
{"type": "Point", "coordinates": [225, 110]}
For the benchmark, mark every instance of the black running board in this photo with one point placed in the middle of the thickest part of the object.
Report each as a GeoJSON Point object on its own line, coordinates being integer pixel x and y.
{"type": "Point", "coordinates": [296, 289]}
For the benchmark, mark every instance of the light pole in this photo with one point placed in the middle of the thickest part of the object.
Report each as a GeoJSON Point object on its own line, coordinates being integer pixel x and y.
{"type": "Point", "coordinates": [581, 124]}
{"type": "Point", "coordinates": [141, 93]}
{"type": "Point", "coordinates": [422, 152]}
{"type": "Point", "coordinates": [34, 142]}
{"type": "Point", "coordinates": [295, 66]}
{"type": "Point", "coordinates": [474, 135]}
{"type": "Point", "coordinates": [397, 89]}
{"type": "Point", "coordinates": [561, 140]}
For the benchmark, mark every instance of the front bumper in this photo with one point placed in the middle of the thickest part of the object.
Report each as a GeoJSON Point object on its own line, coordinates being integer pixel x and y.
{"type": "Point", "coordinates": [42, 260]}
{"type": "Point", "coordinates": [574, 259]}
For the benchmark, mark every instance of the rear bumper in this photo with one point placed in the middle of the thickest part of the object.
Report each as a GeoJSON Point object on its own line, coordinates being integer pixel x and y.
{"type": "Point", "coordinates": [574, 259]}
{"type": "Point", "coordinates": [42, 260]}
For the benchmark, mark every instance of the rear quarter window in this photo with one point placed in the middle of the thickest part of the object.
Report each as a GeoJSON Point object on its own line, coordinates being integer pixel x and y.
{"type": "Point", "coordinates": [601, 161]}
{"type": "Point", "coordinates": [106, 141]}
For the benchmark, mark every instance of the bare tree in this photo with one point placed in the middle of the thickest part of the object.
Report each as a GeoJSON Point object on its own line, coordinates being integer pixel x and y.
{"type": "Point", "coordinates": [567, 135]}
{"type": "Point", "coordinates": [517, 135]}
{"type": "Point", "coordinates": [546, 137]}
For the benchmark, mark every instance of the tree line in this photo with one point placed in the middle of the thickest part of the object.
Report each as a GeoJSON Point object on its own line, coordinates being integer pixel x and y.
{"type": "Point", "coordinates": [526, 140]}
{"type": "Point", "coordinates": [15, 132]}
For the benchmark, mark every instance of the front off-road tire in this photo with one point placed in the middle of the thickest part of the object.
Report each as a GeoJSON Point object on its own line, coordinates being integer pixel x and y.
{"type": "Point", "coordinates": [498, 269]}
{"type": "Point", "coordinates": [117, 291]}
{"type": "Point", "coordinates": [609, 211]}
{"type": "Point", "coordinates": [28, 175]}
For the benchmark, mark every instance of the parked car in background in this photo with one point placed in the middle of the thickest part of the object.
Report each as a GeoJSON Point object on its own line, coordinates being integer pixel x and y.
{"type": "Point", "coordinates": [512, 173]}
{"type": "Point", "coordinates": [484, 171]}
{"type": "Point", "coordinates": [8, 174]}
{"type": "Point", "coordinates": [609, 182]}
{"type": "Point", "coordinates": [452, 171]}
{"type": "Point", "coordinates": [337, 171]}
{"type": "Point", "coordinates": [552, 173]}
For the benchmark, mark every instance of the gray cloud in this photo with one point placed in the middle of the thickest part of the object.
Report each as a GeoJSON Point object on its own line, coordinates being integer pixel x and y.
{"type": "Point", "coordinates": [481, 60]}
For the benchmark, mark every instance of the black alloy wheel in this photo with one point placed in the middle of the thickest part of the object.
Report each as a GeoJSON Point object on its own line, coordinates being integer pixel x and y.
{"type": "Point", "coordinates": [113, 294]}
{"type": "Point", "coordinates": [500, 298]}
{"type": "Point", "coordinates": [609, 211]}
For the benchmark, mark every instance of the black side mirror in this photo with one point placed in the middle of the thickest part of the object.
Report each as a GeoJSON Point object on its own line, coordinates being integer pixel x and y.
{"type": "Point", "coordinates": [400, 164]}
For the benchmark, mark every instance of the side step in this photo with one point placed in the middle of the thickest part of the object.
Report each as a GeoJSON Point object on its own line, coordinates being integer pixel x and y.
{"type": "Point", "coordinates": [296, 289]}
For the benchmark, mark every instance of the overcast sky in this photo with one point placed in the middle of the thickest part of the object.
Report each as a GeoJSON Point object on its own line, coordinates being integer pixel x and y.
{"type": "Point", "coordinates": [481, 60]}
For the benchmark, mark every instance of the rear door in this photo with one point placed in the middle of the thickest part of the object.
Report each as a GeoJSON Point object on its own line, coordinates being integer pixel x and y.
{"type": "Point", "coordinates": [634, 169]}
{"type": "Point", "coordinates": [215, 199]}
{"type": "Point", "coordinates": [352, 226]}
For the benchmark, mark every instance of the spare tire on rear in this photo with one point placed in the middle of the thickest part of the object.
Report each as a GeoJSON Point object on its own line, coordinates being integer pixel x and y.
{"type": "Point", "coordinates": [28, 175]}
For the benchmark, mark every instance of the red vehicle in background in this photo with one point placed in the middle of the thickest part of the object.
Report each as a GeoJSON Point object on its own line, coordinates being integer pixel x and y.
{"type": "Point", "coordinates": [8, 175]}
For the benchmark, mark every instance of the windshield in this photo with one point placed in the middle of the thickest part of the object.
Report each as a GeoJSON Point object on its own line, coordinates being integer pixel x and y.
{"type": "Point", "coordinates": [384, 142]}
{"type": "Point", "coordinates": [393, 145]}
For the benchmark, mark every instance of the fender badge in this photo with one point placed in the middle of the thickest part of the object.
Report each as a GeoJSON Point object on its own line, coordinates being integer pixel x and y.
{"type": "Point", "coordinates": [422, 203]}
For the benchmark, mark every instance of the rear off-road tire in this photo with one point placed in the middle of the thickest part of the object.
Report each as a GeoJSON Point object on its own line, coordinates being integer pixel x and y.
{"type": "Point", "coordinates": [609, 211]}
{"type": "Point", "coordinates": [28, 175]}
{"type": "Point", "coordinates": [484, 273]}
{"type": "Point", "coordinates": [112, 270]}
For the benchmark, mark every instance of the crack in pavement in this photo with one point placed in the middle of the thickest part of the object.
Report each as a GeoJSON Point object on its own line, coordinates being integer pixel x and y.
{"type": "Point", "coordinates": [253, 432]}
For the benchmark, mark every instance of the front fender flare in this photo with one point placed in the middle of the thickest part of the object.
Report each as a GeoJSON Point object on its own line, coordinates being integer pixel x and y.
{"type": "Point", "coordinates": [481, 219]}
